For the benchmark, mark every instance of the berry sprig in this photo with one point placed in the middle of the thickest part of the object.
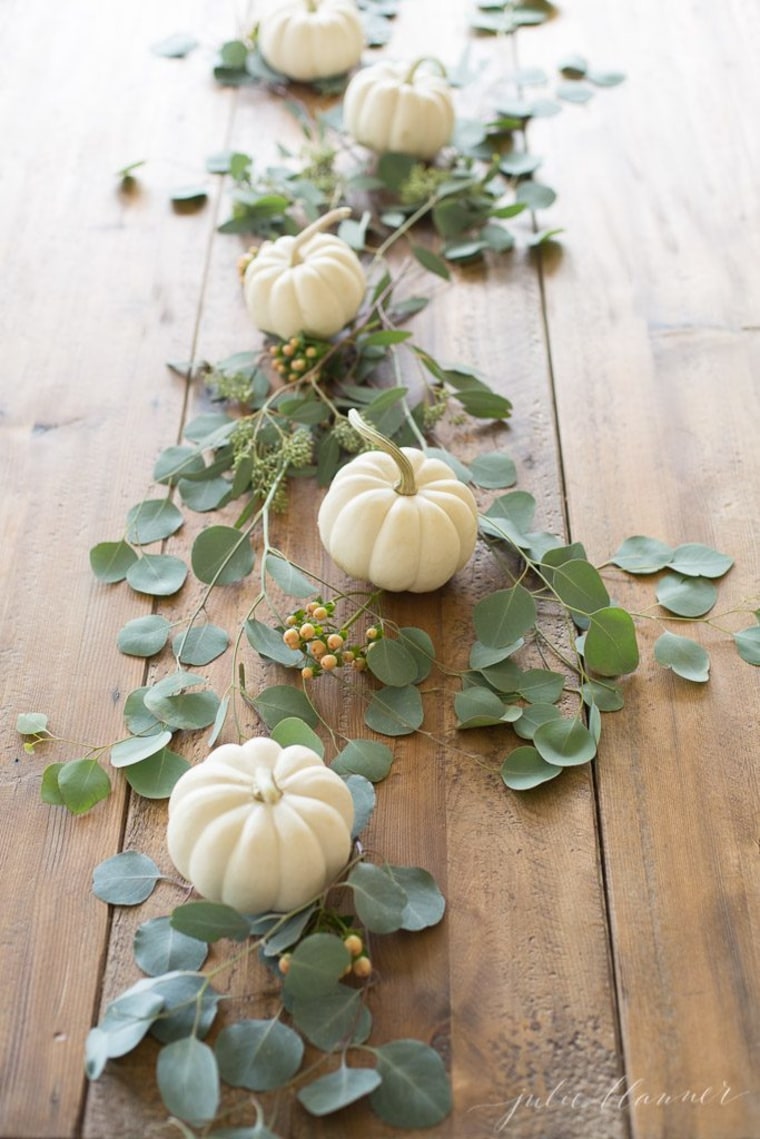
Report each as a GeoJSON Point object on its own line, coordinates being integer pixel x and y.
{"type": "Point", "coordinates": [300, 355]}
{"type": "Point", "coordinates": [327, 644]}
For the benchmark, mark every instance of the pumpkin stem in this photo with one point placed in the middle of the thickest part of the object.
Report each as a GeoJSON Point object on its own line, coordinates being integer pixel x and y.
{"type": "Point", "coordinates": [328, 219]}
{"type": "Point", "coordinates": [406, 483]}
{"type": "Point", "coordinates": [265, 790]}
{"type": "Point", "coordinates": [424, 59]}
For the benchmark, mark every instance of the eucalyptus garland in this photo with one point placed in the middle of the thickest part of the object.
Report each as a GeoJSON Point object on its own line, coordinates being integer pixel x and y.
{"type": "Point", "coordinates": [287, 410]}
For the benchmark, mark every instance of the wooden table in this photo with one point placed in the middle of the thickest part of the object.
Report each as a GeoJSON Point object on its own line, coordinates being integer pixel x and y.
{"type": "Point", "coordinates": [596, 973]}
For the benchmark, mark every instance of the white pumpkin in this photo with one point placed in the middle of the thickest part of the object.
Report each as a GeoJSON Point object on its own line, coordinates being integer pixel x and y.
{"type": "Point", "coordinates": [411, 532]}
{"type": "Point", "coordinates": [311, 39]}
{"type": "Point", "coordinates": [260, 827]}
{"type": "Point", "coordinates": [400, 108]}
{"type": "Point", "coordinates": [312, 283]}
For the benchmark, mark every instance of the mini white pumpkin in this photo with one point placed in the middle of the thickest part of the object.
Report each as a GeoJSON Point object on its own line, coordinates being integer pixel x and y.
{"type": "Point", "coordinates": [400, 108]}
{"type": "Point", "coordinates": [411, 532]}
{"type": "Point", "coordinates": [260, 827]}
{"type": "Point", "coordinates": [311, 39]}
{"type": "Point", "coordinates": [312, 283]}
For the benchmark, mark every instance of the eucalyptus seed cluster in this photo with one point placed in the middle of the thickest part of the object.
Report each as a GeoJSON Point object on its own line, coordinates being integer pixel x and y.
{"type": "Point", "coordinates": [320, 167]}
{"type": "Point", "coordinates": [269, 455]}
{"type": "Point", "coordinates": [315, 633]}
{"type": "Point", "coordinates": [229, 385]}
{"type": "Point", "coordinates": [434, 412]}
{"type": "Point", "coordinates": [295, 357]}
{"type": "Point", "coordinates": [422, 183]}
{"type": "Point", "coordinates": [348, 437]}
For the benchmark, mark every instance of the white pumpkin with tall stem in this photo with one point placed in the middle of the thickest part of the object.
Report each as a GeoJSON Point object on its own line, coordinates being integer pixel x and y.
{"type": "Point", "coordinates": [312, 283]}
{"type": "Point", "coordinates": [397, 518]}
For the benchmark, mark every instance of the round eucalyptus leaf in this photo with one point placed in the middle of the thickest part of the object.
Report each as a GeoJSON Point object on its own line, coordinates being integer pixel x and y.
{"type": "Point", "coordinates": [504, 616]}
{"type": "Point", "coordinates": [578, 585]}
{"type": "Point", "coordinates": [540, 685]}
{"type": "Point", "coordinates": [31, 723]}
{"type": "Point", "coordinates": [748, 644]}
{"type": "Point", "coordinates": [143, 636]}
{"type": "Point", "coordinates": [136, 748]}
{"type": "Point", "coordinates": [188, 1080]}
{"type": "Point", "coordinates": [221, 555]}
{"type": "Point", "coordinates": [533, 716]}
{"type": "Point", "coordinates": [190, 1006]}
{"type": "Point", "coordinates": [425, 904]}
{"type": "Point", "coordinates": [419, 644]}
{"type": "Point", "coordinates": [505, 676]}
{"type": "Point", "coordinates": [685, 657]}
{"type": "Point", "coordinates": [125, 879]}
{"type": "Point", "coordinates": [605, 697]}
{"type": "Point", "coordinates": [463, 473]}
{"type": "Point", "coordinates": [111, 560]}
{"type": "Point", "coordinates": [155, 777]}
{"type": "Point", "coordinates": [258, 1054]}
{"type": "Point", "coordinates": [159, 948]}
{"type": "Point", "coordinates": [391, 663]}
{"type": "Point", "coordinates": [565, 743]}
{"type": "Point", "coordinates": [203, 495]}
{"type": "Point", "coordinates": [493, 471]}
{"type": "Point", "coordinates": [369, 758]}
{"type": "Point", "coordinates": [415, 1091]}
{"type": "Point", "coordinates": [378, 899]}
{"type": "Point", "coordinates": [484, 657]}
{"type": "Point", "coordinates": [158, 575]}
{"type": "Point", "coordinates": [187, 711]}
{"type": "Point", "coordinates": [174, 462]}
{"type": "Point", "coordinates": [524, 769]}
{"type": "Point", "coordinates": [81, 784]}
{"type": "Point", "coordinates": [291, 731]}
{"type": "Point", "coordinates": [152, 521]}
{"type": "Point", "coordinates": [127, 1021]}
{"type": "Point", "coordinates": [395, 711]}
{"type": "Point", "coordinates": [610, 647]}
{"type": "Point", "coordinates": [281, 701]}
{"type": "Point", "coordinates": [200, 644]}
{"type": "Point", "coordinates": [291, 580]}
{"type": "Point", "coordinates": [139, 721]}
{"type": "Point", "coordinates": [269, 644]}
{"type": "Point", "coordinates": [49, 792]}
{"type": "Point", "coordinates": [95, 1053]}
{"type": "Point", "coordinates": [695, 560]}
{"type": "Point", "coordinates": [338, 1089]}
{"type": "Point", "coordinates": [686, 596]}
{"type": "Point", "coordinates": [316, 965]}
{"type": "Point", "coordinates": [363, 795]}
{"type": "Point", "coordinates": [643, 555]}
{"type": "Point", "coordinates": [333, 1019]}
{"type": "Point", "coordinates": [209, 921]}
{"type": "Point", "coordinates": [478, 708]}
{"type": "Point", "coordinates": [535, 195]}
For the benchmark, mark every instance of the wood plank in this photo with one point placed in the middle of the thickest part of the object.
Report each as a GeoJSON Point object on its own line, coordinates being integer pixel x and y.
{"type": "Point", "coordinates": [538, 1013]}
{"type": "Point", "coordinates": [652, 313]}
{"type": "Point", "coordinates": [100, 288]}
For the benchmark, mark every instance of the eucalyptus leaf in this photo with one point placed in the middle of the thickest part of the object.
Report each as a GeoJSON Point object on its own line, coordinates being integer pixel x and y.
{"type": "Point", "coordinates": [685, 657]}
{"type": "Point", "coordinates": [209, 921]}
{"type": "Point", "coordinates": [143, 636]}
{"type": "Point", "coordinates": [540, 685]}
{"type": "Point", "coordinates": [425, 904]}
{"type": "Point", "coordinates": [176, 461]}
{"type": "Point", "coordinates": [281, 701]}
{"type": "Point", "coordinates": [136, 748]}
{"type": "Point", "coordinates": [535, 195]}
{"type": "Point", "coordinates": [190, 1006]}
{"type": "Point", "coordinates": [686, 596]}
{"type": "Point", "coordinates": [152, 521]}
{"type": "Point", "coordinates": [292, 731]}
{"type": "Point", "coordinates": [478, 708]}
{"type": "Point", "coordinates": [155, 777]}
{"type": "Point", "coordinates": [392, 663]}
{"type": "Point", "coordinates": [533, 716]}
{"type": "Point", "coordinates": [415, 1091]}
{"type": "Point", "coordinates": [187, 711]}
{"type": "Point", "coordinates": [338, 1089]}
{"type": "Point", "coordinates": [82, 784]}
{"type": "Point", "coordinates": [110, 561]}
{"type": "Point", "coordinates": [695, 560]}
{"type": "Point", "coordinates": [291, 581]}
{"type": "Point", "coordinates": [204, 495]}
{"type": "Point", "coordinates": [363, 795]}
{"type": "Point", "coordinates": [379, 900]}
{"type": "Point", "coordinates": [158, 575]}
{"type": "Point", "coordinates": [564, 743]}
{"type": "Point", "coordinates": [333, 1019]}
{"type": "Point", "coordinates": [175, 46]}
{"type": "Point", "coordinates": [524, 768]}
{"type": "Point", "coordinates": [395, 711]}
{"type": "Point", "coordinates": [159, 948]}
{"type": "Point", "coordinates": [126, 1021]}
{"type": "Point", "coordinates": [200, 644]}
{"type": "Point", "coordinates": [605, 697]}
{"type": "Point", "coordinates": [269, 644]}
{"type": "Point", "coordinates": [748, 644]}
{"type": "Point", "coordinates": [49, 792]}
{"type": "Point", "coordinates": [368, 758]}
{"type": "Point", "coordinates": [483, 656]}
{"type": "Point", "coordinates": [493, 470]}
{"type": "Point", "coordinates": [642, 555]}
{"type": "Point", "coordinates": [316, 965]}
{"type": "Point", "coordinates": [125, 879]}
{"type": "Point", "coordinates": [31, 723]}
{"type": "Point", "coordinates": [431, 261]}
{"type": "Point", "coordinates": [610, 647]}
{"type": "Point", "coordinates": [188, 1080]}
{"type": "Point", "coordinates": [221, 555]}
{"type": "Point", "coordinates": [578, 585]}
{"type": "Point", "coordinates": [504, 616]}
{"type": "Point", "coordinates": [139, 721]}
{"type": "Point", "coordinates": [258, 1055]}
{"type": "Point", "coordinates": [420, 645]}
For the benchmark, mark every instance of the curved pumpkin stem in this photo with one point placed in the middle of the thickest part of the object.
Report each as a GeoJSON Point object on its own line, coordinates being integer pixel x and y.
{"type": "Point", "coordinates": [328, 219]}
{"type": "Point", "coordinates": [424, 59]}
{"type": "Point", "coordinates": [406, 483]}
{"type": "Point", "coordinates": [265, 790]}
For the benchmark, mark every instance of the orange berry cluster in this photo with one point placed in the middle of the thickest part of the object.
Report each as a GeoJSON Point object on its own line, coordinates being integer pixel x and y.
{"type": "Point", "coordinates": [295, 357]}
{"type": "Point", "coordinates": [314, 632]}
